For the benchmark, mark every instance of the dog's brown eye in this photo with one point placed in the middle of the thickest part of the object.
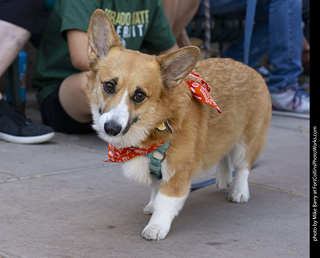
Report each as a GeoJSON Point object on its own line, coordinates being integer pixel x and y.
{"type": "Point", "coordinates": [108, 87]}
{"type": "Point", "coordinates": [139, 97]}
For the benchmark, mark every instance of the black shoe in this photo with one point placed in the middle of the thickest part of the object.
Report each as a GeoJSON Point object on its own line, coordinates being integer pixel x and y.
{"type": "Point", "coordinates": [14, 127]}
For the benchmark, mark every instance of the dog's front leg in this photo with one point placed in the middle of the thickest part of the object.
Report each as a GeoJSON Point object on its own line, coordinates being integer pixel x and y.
{"type": "Point", "coordinates": [148, 210]}
{"type": "Point", "coordinates": [166, 207]}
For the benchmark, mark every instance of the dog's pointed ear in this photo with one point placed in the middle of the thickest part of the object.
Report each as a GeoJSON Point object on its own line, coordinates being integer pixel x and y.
{"type": "Point", "coordinates": [101, 36]}
{"type": "Point", "coordinates": [177, 65]}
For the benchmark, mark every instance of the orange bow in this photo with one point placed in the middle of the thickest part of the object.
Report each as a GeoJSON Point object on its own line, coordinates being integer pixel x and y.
{"type": "Point", "coordinates": [200, 91]}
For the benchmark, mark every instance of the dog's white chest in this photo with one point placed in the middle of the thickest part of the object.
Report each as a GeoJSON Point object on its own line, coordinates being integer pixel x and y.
{"type": "Point", "coordinates": [137, 169]}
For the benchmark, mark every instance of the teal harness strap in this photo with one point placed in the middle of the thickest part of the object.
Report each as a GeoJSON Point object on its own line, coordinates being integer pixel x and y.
{"type": "Point", "coordinates": [155, 164]}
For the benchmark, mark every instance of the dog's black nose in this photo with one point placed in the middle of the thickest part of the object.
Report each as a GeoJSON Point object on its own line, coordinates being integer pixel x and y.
{"type": "Point", "coordinates": [112, 128]}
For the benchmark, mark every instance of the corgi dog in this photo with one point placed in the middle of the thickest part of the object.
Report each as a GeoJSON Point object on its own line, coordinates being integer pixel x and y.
{"type": "Point", "coordinates": [140, 102]}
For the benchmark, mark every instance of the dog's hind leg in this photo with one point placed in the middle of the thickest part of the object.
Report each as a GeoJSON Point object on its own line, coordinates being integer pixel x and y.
{"type": "Point", "coordinates": [224, 173]}
{"type": "Point", "coordinates": [240, 190]}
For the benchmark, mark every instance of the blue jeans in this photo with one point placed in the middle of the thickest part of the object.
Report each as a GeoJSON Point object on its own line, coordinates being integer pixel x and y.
{"type": "Point", "coordinates": [277, 30]}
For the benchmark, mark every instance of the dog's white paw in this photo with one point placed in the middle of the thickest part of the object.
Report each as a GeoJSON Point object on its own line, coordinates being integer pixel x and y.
{"type": "Point", "coordinates": [239, 196]}
{"type": "Point", "coordinates": [155, 231]}
{"type": "Point", "coordinates": [240, 192]}
{"type": "Point", "coordinates": [148, 210]}
{"type": "Point", "coordinates": [224, 174]}
{"type": "Point", "coordinates": [223, 183]}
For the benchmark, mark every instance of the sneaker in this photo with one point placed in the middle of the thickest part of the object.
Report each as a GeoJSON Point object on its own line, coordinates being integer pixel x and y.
{"type": "Point", "coordinates": [14, 127]}
{"type": "Point", "coordinates": [295, 100]}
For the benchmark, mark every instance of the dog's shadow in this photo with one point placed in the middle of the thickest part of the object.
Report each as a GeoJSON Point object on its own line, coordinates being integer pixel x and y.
{"type": "Point", "coordinates": [208, 212]}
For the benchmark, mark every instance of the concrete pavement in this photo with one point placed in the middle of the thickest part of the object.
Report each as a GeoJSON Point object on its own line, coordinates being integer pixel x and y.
{"type": "Point", "coordinates": [60, 200]}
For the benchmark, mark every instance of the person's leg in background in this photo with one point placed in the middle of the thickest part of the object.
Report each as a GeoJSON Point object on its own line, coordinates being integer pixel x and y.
{"type": "Point", "coordinates": [13, 39]}
{"type": "Point", "coordinates": [285, 55]}
{"type": "Point", "coordinates": [14, 127]}
{"type": "Point", "coordinates": [278, 31]}
{"type": "Point", "coordinates": [180, 13]}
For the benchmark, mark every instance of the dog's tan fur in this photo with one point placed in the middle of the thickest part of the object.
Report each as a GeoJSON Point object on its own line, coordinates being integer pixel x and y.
{"type": "Point", "coordinates": [201, 137]}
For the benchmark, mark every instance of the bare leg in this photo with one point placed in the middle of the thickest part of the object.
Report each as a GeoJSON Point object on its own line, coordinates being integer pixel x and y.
{"type": "Point", "coordinates": [73, 97]}
{"type": "Point", "coordinates": [180, 13]}
{"type": "Point", "coordinates": [13, 39]}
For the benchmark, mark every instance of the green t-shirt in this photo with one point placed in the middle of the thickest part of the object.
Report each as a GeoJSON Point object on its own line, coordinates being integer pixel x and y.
{"type": "Point", "coordinates": [138, 23]}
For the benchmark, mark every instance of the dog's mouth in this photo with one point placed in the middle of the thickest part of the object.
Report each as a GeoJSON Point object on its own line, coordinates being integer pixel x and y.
{"type": "Point", "coordinates": [113, 128]}
{"type": "Point", "coordinates": [121, 135]}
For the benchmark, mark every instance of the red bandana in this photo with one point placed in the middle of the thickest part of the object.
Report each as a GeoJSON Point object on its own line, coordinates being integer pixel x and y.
{"type": "Point", "coordinates": [124, 154]}
{"type": "Point", "coordinates": [200, 91]}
